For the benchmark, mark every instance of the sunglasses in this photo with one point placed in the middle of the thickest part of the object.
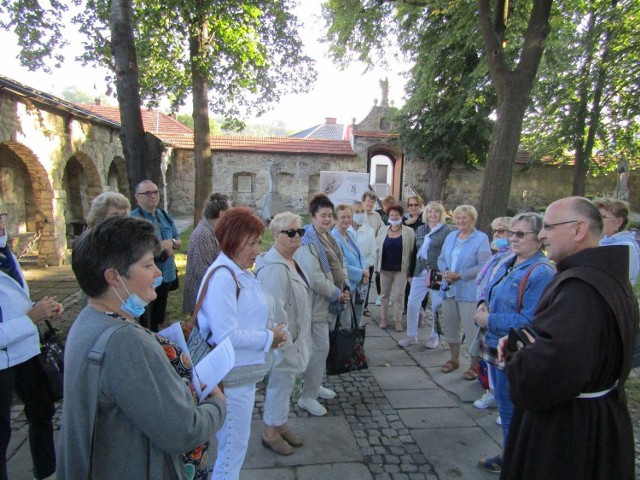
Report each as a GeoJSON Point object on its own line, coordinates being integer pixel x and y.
{"type": "Point", "coordinates": [413, 205]}
{"type": "Point", "coordinates": [519, 234]}
{"type": "Point", "coordinates": [292, 232]}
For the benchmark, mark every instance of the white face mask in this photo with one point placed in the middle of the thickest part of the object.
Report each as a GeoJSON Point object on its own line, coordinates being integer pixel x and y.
{"type": "Point", "coordinates": [395, 222]}
{"type": "Point", "coordinates": [358, 218]}
{"type": "Point", "coordinates": [3, 241]}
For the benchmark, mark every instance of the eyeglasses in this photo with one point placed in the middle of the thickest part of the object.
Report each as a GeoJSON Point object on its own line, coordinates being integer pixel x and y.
{"type": "Point", "coordinates": [550, 226]}
{"type": "Point", "coordinates": [413, 205]}
{"type": "Point", "coordinates": [501, 231]}
{"type": "Point", "coordinates": [518, 234]}
{"type": "Point", "coordinates": [150, 193]}
{"type": "Point", "coordinates": [292, 232]}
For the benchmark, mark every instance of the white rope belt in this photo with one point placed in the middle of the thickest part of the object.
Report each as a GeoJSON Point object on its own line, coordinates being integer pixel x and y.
{"type": "Point", "coordinates": [601, 393]}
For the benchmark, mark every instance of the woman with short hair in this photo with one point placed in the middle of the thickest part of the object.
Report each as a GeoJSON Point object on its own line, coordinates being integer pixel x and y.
{"type": "Point", "coordinates": [395, 244]}
{"type": "Point", "coordinates": [323, 263]}
{"type": "Point", "coordinates": [107, 204]}
{"type": "Point", "coordinates": [134, 414]}
{"type": "Point", "coordinates": [464, 252]}
{"type": "Point", "coordinates": [285, 281]}
{"type": "Point", "coordinates": [234, 306]}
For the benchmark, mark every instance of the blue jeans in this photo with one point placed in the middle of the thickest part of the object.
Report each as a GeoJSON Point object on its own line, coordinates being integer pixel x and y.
{"type": "Point", "coordinates": [501, 394]}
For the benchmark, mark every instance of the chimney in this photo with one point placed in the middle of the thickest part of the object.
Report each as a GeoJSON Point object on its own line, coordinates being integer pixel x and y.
{"type": "Point", "coordinates": [98, 101]}
{"type": "Point", "coordinates": [330, 121]}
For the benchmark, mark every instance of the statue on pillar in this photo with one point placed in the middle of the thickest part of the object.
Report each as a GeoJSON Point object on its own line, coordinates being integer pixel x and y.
{"type": "Point", "coordinates": [274, 170]}
{"type": "Point", "coordinates": [622, 190]}
{"type": "Point", "coordinates": [384, 85]}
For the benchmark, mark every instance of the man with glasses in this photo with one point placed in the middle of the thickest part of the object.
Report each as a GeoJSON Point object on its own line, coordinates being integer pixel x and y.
{"type": "Point", "coordinates": [148, 198]}
{"type": "Point", "coordinates": [571, 418]}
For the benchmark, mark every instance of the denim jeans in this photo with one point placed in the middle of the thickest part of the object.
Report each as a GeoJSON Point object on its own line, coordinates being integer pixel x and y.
{"type": "Point", "coordinates": [501, 393]}
{"type": "Point", "coordinates": [233, 437]}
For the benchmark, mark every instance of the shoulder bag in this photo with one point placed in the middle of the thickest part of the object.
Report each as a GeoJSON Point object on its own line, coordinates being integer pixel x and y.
{"type": "Point", "coordinates": [346, 344]}
{"type": "Point", "coordinates": [51, 360]}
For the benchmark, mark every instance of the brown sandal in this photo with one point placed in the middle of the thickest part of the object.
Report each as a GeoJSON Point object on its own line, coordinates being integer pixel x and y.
{"type": "Point", "coordinates": [450, 366]}
{"type": "Point", "coordinates": [470, 375]}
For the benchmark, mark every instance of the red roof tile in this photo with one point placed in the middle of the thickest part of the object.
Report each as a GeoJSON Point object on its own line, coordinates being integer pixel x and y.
{"type": "Point", "coordinates": [154, 121]}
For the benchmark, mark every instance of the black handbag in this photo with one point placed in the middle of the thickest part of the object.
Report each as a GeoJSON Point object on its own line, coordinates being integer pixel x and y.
{"type": "Point", "coordinates": [51, 359]}
{"type": "Point", "coordinates": [175, 285]}
{"type": "Point", "coordinates": [346, 344]}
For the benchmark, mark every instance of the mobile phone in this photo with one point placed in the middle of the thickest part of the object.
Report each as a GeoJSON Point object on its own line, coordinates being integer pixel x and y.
{"type": "Point", "coordinates": [517, 339]}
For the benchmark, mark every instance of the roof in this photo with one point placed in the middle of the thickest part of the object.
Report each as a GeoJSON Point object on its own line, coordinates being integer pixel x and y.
{"type": "Point", "coordinates": [324, 131]}
{"type": "Point", "coordinates": [159, 124]}
{"type": "Point", "coordinates": [52, 102]}
{"type": "Point", "coordinates": [282, 145]}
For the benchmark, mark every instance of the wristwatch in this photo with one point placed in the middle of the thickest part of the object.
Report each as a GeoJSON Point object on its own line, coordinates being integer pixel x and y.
{"type": "Point", "coordinates": [173, 243]}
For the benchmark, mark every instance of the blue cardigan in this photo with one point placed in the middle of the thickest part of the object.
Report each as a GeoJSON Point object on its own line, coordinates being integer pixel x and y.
{"type": "Point", "coordinates": [474, 254]}
{"type": "Point", "coordinates": [353, 258]}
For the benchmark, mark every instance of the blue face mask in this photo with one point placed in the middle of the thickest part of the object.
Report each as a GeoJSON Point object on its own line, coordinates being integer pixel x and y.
{"type": "Point", "coordinates": [358, 218]}
{"type": "Point", "coordinates": [157, 281]}
{"type": "Point", "coordinates": [134, 305]}
{"type": "Point", "coordinates": [3, 241]}
{"type": "Point", "coordinates": [501, 243]}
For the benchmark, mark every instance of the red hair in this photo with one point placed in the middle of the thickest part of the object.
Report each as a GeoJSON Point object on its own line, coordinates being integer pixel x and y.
{"type": "Point", "coordinates": [236, 226]}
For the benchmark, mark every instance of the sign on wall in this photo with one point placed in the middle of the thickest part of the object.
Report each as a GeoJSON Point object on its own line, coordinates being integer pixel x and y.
{"type": "Point", "coordinates": [344, 187]}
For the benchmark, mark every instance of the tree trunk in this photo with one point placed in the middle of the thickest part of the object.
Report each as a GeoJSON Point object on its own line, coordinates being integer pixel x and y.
{"type": "Point", "coordinates": [201, 129]}
{"type": "Point", "coordinates": [435, 180]}
{"type": "Point", "coordinates": [123, 49]}
{"type": "Point", "coordinates": [513, 90]}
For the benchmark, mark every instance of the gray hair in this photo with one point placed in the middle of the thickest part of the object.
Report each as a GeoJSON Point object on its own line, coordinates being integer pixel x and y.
{"type": "Point", "coordinates": [534, 220]}
{"type": "Point", "coordinates": [282, 220]}
{"type": "Point", "coordinates": [468, 210]}
{"type": "Point", "coordinates": [101, 204]}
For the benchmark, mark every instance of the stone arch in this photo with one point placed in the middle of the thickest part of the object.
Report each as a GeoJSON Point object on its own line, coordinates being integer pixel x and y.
{"type": "Point", "coordinates": [395, 157]}
{"type": "Point", "coordinates": [79, 183]}
{"type": "Point", "coordinates": [117, 178]}
{"type": "Point", "coordinates": [35, 197]}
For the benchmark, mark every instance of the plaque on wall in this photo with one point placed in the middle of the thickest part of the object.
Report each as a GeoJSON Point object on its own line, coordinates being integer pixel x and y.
{"type": "Point", "coordinates": [244, 183]}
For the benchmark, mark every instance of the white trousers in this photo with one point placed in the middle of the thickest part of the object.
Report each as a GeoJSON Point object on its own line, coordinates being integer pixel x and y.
{"type": "Point", "coordinates": [317, 359]}
{"type": "Point", "coordinates": [233, 437]}
{"type": "Point", "coordinates": [416, 295]}
{"type": "Point", "coordinates": [276, 402]}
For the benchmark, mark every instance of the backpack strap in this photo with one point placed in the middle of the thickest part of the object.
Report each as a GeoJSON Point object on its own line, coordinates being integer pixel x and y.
{"type": "Point", "coordinates": [96, 356]}
{"type": "Point", "coordinates": [203, 293]}
{"type": "Point", "coordinates": [524, 284]}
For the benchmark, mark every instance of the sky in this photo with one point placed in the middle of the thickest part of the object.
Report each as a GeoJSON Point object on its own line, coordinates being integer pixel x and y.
{"type": "Point", "coordinates": [340, 94]}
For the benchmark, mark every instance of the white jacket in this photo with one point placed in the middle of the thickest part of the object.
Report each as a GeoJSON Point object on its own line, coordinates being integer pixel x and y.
{"type": "Point", "coordinates": [19, 339]}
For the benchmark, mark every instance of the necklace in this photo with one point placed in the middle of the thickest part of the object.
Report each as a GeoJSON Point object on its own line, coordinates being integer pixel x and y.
{"type": "Point", "coordinates": [118, 316]}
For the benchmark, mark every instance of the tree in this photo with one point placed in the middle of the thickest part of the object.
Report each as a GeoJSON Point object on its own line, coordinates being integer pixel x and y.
{"type": "Point", "coordinates": [449, 99]}
{"type": "Point", "coordinates": [585, 103]}
{"type": "Point", "coordinates": [246, 52]}
{"type": "Point", "coordinates": [512, 62]}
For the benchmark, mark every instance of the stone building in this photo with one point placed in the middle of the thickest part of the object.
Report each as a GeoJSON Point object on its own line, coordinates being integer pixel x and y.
{"type": "Point", "coordinates": [55, 157]}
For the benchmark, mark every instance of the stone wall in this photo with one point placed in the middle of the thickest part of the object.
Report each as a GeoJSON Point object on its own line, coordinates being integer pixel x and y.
{"type": "Point", "coordinates": [63, 156]}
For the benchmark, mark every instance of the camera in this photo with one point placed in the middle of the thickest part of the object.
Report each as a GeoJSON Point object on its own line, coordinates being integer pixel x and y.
{"type": "Point", "coordinates": [517, 339]}
{"type": "Point", "coordinates": [162, 257]}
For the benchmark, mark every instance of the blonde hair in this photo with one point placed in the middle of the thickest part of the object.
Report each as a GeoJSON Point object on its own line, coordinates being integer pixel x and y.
{"type": "Point", "coordinates": [437, 206]}
{"type": "Point", "coordinates": [102, 203]}
{"type": "Point", "coordinates": [466, 209]}
{"type": "Point", "coordinates": [501, 221]}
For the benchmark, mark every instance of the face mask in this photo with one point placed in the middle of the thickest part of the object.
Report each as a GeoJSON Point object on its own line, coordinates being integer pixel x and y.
{"type": "Point", "coordinates": [395, 222]}
{"type": "Point", "coordinates": [3, 241]}
{"type": "Point", "coordinates": [358, 218]}
{"type": "Point", "coordinates": [501, 243]}
{"type": "Point", "coordinates": [134, 305]}
{"type": "Point", "coordinates": [157, 281]}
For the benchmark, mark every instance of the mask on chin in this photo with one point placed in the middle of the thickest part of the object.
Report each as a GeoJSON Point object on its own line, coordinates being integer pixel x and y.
{"type": "Point", "coordinates": [395, 222]}
{"type": "Point", "coordinates": [133, 305]}
{"type": "Point", "coordinates": [501, 243]}
{"type": "Point", "coordinates": [3, 240]}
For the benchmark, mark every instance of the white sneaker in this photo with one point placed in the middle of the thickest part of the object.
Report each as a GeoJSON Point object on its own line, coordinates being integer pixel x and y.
{"type": "Point", "coordinates": [499, 420]}
{"type": "Point", "coordinates": [432, 342]}
{"type": "Point", "coordinates": [326, 393]}
{"type": "Point", "coordinates": [312, 406]}
{"type": "Point", "coordinates": [406, 341]}
{"type": "Point", "coordinates": [378, 300]}
{"type": "Point", "coordinates": [487, 400]}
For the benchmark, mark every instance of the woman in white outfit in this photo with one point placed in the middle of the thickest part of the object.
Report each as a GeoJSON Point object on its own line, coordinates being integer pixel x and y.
{"type": "Point", "coordinates": [284, 280]}
{"type": "Point", "coordinates": [236, 307]}
{"type": "Point", "coordinates": [429, 240]}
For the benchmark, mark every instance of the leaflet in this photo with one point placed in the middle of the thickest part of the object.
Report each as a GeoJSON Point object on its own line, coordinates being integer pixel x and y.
{"type": "Point", "coordinates": [214, 367]}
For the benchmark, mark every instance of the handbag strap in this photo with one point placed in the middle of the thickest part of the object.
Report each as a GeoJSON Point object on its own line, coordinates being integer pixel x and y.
{"type": "Point", "coordinates": [96, 356]}
{"type": "Point", "coordinates": [523, 284]}
{"type": "Point", "coordinates": [203, 293]}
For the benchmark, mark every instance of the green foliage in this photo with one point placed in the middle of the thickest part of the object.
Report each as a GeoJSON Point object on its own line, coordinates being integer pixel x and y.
{"type": "Point", "coordinates": [75, 94]}
{"type": "Point", "coordinates": [588, 39]}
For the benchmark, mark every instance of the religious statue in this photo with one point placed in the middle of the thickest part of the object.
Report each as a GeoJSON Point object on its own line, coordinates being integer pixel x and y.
{"type": "Point", "coordinates": [274, 170]}
{"type": "Point", "coordinates": [384, 85]}
{"type": "Point", "coordinates": [622, 190]}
